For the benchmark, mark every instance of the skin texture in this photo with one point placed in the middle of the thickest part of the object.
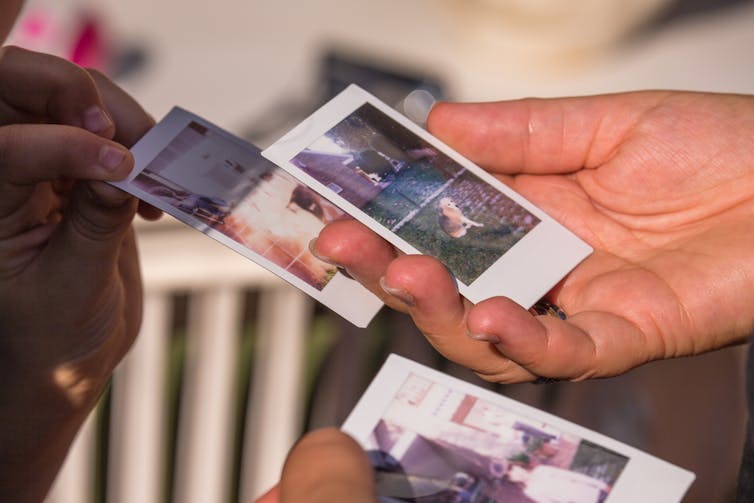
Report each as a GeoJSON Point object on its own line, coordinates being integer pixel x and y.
{"type": "Point", "coordinates": [70, 286]}
{"type": "Point", "coordinates": [661, 184]}
{"type": "Point", "coordinates": [324, 466]}
{"type": "Point", "coordinates": [70, 289]}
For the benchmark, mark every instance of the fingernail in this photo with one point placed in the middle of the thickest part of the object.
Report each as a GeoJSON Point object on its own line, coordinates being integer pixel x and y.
{"type": "Point", "coordinates": [492, 339]}
{"type": "Point", "coordinates": [111, 157]}
{"type": "Point", "coordinates": [96, 120]}
{"type": "Point", "coordinates": [313, 251]}
{"type": "Point", "coordinates": [398, 293]}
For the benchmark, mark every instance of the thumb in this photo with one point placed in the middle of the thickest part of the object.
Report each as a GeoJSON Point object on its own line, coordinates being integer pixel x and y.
{"type": "Point", "coordinates": [325, 466]}
{"type": "Point", "coordinates": [93, 227]}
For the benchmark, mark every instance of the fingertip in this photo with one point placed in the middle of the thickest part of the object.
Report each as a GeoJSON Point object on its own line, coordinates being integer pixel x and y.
{"type": "Point", "coordinates": [329, 437]}
{"type": "Point", "coordinates": [426, 288]}
{"type": "Point", "coordinates": [488, 314]}
{"type": "Point", "coordinates": [421, 275]}
{"type": "Point", "coordinates": [271, 496]}
{"type": "Point", "coordinates": [503, 320]}
{"type": "Point", "coordinates": [149, 212]}
{"type": "Point", "coordinates": [132, 120]}
{"type": "Point", "coordinates": [436, 115]}
{"type": "Point", "coordinates": [96, 120]}
{"type": "Point", "coordinates": [349, 243]}
{"type": "Point", "coordinates": [345, 474]}
{"type": "Point", "coordinates": [115, 160]}
{"type": "Point", "coordinates": [342, 234]}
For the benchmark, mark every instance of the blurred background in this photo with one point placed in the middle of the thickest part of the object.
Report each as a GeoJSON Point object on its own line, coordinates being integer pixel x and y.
{"type": "Point", "coordinates": [233, 364]}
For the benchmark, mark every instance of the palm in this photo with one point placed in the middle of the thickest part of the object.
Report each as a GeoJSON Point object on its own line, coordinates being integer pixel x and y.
{"type": "Point", "coordinates": [667, 210]}
{"type": "Point", "coordinates": [40, 276]}
{"type": "Point", "coordinates": [661, 184]}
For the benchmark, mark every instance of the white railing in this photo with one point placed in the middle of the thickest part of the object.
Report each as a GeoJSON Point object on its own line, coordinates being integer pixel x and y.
{"type": "Point", "coordinates": [177, 259]}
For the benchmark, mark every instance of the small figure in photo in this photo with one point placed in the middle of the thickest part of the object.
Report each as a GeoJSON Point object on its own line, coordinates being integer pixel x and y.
{"type": "Point", "coordinates": [452, 220]}
{"type": "Point", "coordinates": [210, 209]}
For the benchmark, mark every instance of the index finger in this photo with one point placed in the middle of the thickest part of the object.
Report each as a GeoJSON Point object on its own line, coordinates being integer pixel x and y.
{"type": "Point", "coordinates": [31, 153]}
{"type": "Point", "coordinates": [540, 136]}
{"type": "Point", "coordinates": [131, 120]}
{"type": "Point", "coordinates": [37, 87]}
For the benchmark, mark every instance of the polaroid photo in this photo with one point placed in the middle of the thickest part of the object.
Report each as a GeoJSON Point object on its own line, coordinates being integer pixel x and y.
{"type": "Point", "coordinates": [223, 187]}
{"type": "Point", "coordinates": [424, 197]}
{"type": "Point", "coordinates": [435, 438]}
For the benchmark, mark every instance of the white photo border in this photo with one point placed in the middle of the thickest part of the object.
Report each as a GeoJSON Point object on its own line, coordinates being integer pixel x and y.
{"type": "Point", "coordinates": [524, 273]}
{"type": "Point", "coordinates": [344, 296]}
{"type": "Point", "coordinates": [645, 478]}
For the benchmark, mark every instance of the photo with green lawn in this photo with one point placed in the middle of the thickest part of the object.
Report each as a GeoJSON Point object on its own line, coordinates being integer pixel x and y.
{"type": "Point", "coordinates": [416, 191]}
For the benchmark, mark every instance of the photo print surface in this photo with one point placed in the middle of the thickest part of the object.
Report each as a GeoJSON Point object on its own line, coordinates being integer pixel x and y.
{"type": "Point", "coordinates": [245, 197]}
{"type": "Point", "coordinates": [416, 191]}
{"type": "Point", "coordinates": [223, 187]}
{"type": "Point", "coordinates": [423, 197]}
{"type": "Point", "coordinates": [434, 438]}
{"type": "Point", "coordinates": [437, 444]}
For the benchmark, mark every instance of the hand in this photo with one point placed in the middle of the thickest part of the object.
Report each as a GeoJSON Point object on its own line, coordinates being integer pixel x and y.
{"type": "Point", "coordinates": [661, 184]}
{"type": "Point", "coordinates": [70, 291]}
{"type": "Point", "coordinates": [324, 466]}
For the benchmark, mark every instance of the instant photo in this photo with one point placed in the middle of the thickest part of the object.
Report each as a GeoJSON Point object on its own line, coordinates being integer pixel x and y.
{"type": "Point", "coordinates": [433, 438]}
{"type": "Point", "coordinates": [425, 198]}
{"type": "Point", "coordinates": [223, 187]}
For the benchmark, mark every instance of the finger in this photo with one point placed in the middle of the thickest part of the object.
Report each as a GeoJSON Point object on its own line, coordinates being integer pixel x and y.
{"type": "Point", "coordinates": [271, 496]}
{"type": "Point", "coordinates": [17, 250]}
{"type": "Point", "coordinates": [40, 152]}
{"type": "Point", "coordinates": [37, 87]}
{"type": "Point", "coordinates": [131, 121]}
{"type": "Point", "coordinates": [431, 298]}
{"type": "Point", "coordinates": [325, 466]}
{"type": "Point", "coordinates": [90, 236]}
{"type": "Point", "coordinates": [43, 152]}
{"type": "Point", "coordinates": [354, 247]}
{"type": "Point", "coordinates": [586, 345]}
{"type": "Point", "coordinates": [418, 285]}
{"type": "Point", "coordinates": [149, 212]}
{"type": "Point", "coordinates": [540, 136]}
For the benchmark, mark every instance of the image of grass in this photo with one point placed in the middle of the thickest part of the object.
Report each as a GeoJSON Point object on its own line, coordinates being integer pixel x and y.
{"type": "Point", "coordinates": [504, 221]}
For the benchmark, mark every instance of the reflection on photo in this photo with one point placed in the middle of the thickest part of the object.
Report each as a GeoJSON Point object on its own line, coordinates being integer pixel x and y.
{"type": "Point", "coordinates": [226, 187]}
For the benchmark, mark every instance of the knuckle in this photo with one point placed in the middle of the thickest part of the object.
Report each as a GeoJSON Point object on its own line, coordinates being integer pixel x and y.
{"type": "Point", "coordinates": [71, 77]}
{"type": "Point", "coordinates": [88, 227]}
{"type": "Point", "coordinates": [96, 75]}
{"type": "Point", "coordinates": [10, 136]}
{"type": "Point", "coordinates": [10, 52]}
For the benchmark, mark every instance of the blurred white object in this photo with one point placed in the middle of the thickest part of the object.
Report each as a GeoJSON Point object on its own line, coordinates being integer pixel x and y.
{"type": "Point", "coordinates": [553, 26]}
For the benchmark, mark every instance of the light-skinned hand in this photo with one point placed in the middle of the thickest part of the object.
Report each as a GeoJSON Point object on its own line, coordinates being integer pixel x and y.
{"type": "Point", "coordinates": [323, 467]}
{"type": "Point", "coordinates": [661, 184]}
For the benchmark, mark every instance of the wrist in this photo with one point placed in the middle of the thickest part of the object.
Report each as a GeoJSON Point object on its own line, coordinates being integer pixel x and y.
{"type": "Point", "coordinates": [42, 409]}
